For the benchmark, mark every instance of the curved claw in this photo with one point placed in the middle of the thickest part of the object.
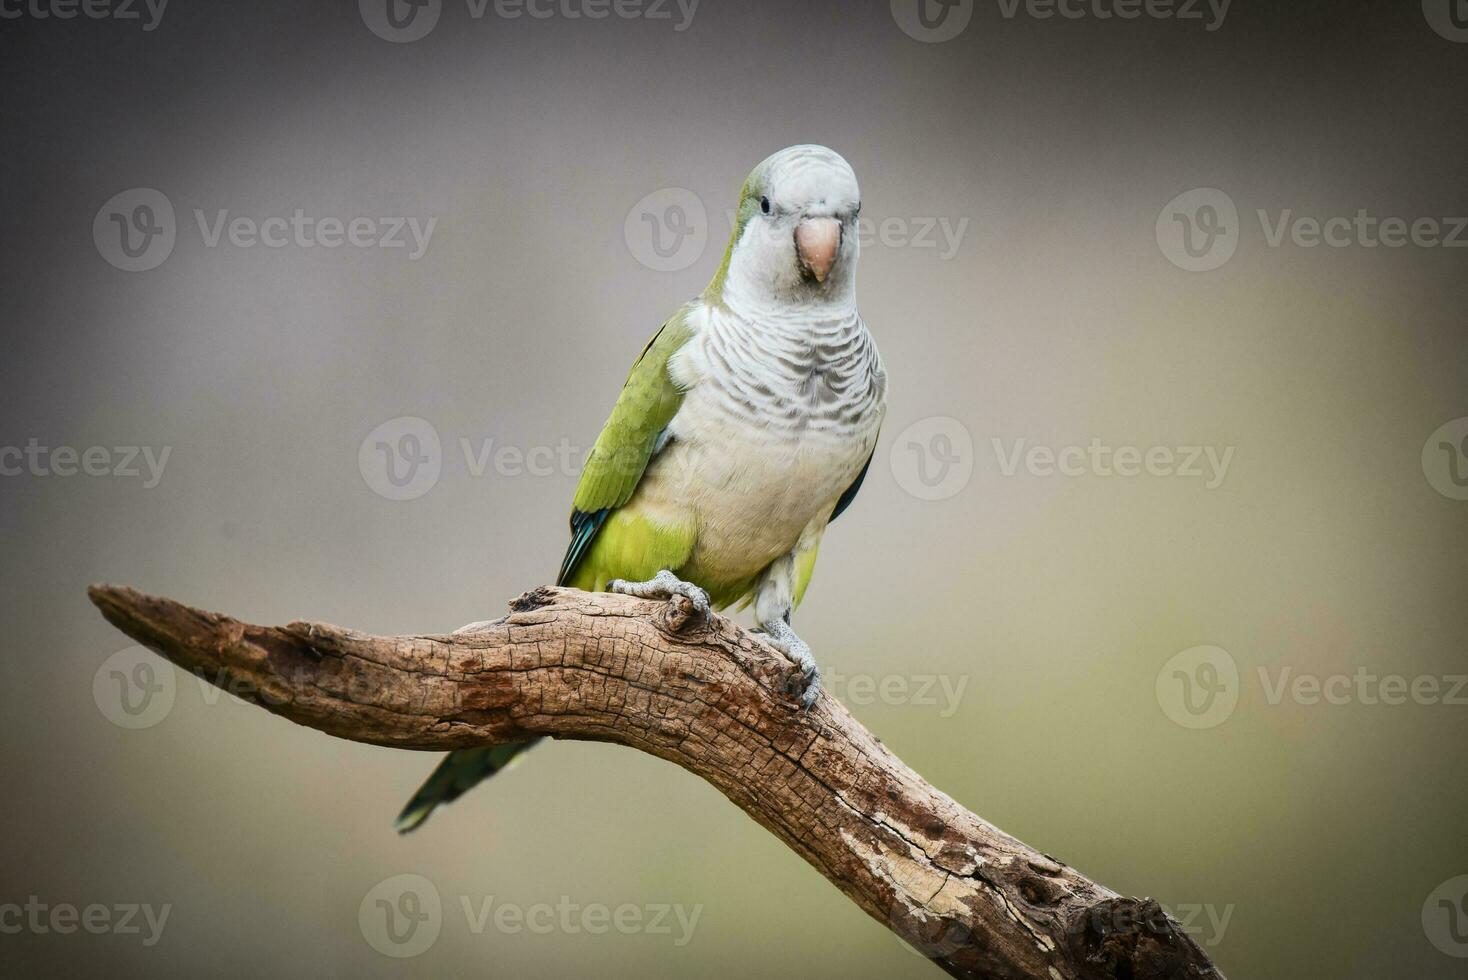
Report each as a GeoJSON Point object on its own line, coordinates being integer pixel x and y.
{"type": "Point", "coordinates": [812, 688]}
{"type": "Point", "coordinates": [780, 636]}
{"type": "Point", "coordinates": [664, 585]}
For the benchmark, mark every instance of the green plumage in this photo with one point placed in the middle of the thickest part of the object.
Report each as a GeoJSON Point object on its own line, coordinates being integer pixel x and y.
{"type": "Point", "coordinates": [606, 543]}
{"type": "Point", "coordinates": [458, 773]}
{"type": "Point", "coordinates": [718, 509]}
{"type": "Point", "coordinates": [648, 401]}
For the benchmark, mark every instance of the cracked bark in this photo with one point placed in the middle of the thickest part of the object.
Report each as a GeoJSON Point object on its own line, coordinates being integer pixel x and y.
{"type": "Point", "coordinates": [709, 697]}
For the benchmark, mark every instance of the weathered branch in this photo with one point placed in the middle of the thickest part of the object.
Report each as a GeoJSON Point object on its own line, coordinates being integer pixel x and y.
{"type": "Point", "coordinates": [710, 698]}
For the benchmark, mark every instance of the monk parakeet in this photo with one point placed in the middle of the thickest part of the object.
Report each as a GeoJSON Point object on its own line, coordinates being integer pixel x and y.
{"type": "Point", "coordinates": [745, 427]}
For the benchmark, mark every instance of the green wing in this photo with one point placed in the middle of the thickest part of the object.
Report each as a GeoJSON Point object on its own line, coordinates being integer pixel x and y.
{"type": "Point", "coordinates": [621, 454]}
{"type": "Point", "coordinates": [627, 442]}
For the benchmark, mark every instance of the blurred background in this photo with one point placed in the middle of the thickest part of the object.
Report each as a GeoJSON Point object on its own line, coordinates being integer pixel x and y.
{"type": "Point", "coordinates": [311, 309]}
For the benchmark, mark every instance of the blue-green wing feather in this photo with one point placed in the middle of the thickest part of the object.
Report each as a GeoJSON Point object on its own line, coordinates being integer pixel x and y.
{"type": "Point", "coordinates": [585, 525]}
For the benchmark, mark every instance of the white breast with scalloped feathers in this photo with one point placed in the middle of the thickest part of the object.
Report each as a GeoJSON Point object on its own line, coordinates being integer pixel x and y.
{"type": "Point", "coordinates": [779, 418]}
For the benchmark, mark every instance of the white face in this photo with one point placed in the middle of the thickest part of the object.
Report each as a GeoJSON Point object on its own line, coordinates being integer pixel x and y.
{"type": "Point", "coordinates": [799, 240]}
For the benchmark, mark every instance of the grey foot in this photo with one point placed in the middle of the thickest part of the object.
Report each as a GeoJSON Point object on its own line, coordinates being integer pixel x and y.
{"type": "Point", "coordinates": [780, 636]}
{"type": "Point", "coordinates": [664, 585]}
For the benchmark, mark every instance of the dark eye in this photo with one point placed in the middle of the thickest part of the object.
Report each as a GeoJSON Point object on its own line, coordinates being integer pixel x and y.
{"type": "Point", "coordinates": [764, 205]}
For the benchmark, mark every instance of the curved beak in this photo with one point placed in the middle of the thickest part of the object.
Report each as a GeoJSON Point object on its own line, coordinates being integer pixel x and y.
{"type": "Point", "coordinates": [817, 240]}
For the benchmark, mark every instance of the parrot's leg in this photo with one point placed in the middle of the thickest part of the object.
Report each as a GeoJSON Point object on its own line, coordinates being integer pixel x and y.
{"type": "Point", "coordinates": [774, 599]}
{"type": "Point", "coordinates": [779, 635]}
{"type": "Point", "coordinates": [664, 585]}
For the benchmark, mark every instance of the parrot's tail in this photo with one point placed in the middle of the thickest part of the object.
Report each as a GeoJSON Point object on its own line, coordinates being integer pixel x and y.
{"type": "Point", "coordinates": [459, 772]}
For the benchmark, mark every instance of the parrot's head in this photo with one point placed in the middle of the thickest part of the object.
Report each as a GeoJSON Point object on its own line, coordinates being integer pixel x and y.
{"type": "Point", "coordinates": [795, 236]}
